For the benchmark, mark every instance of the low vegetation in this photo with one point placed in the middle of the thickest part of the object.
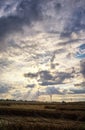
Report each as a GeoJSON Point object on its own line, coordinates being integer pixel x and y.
{"type": "Point", "coordinates": [19, 115]}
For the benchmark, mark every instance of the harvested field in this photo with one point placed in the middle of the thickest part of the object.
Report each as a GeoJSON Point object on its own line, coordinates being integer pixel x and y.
{"type": "Point", "coordinates": [42, 116]}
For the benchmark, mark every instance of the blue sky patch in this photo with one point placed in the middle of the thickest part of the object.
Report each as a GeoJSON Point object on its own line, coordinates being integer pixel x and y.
{"type": "Point", "coordinates": [80, 53]}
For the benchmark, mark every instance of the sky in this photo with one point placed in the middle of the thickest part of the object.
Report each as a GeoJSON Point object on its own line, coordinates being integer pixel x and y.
{"type": "Point", "coordinates": [42, 50]}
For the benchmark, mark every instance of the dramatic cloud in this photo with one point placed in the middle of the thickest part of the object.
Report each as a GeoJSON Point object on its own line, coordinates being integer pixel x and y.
{"type": "Point", "coordinates": [25, 12]}
{"type": "Point", "coordinates": [52, 90]}
{"type": "Point", "coordinates": [30, 86]}
{"type": "Point", "coordinates": [42, 49]}
{"type": "Point", "coordinates": [82, 64]}
{"type": "Point", "coordinates": [45, 78]}
{"type": "Point", "coordinates": [76, 21]}
{"type": "Point", "coordinates": [78, 91]}
{"type": "Point", "coordinates": [4, 88]}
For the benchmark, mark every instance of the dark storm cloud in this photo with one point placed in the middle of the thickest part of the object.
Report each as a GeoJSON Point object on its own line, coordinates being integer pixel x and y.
{"type": "Point", "coordinates": [9, 25]}
{"type": "Point", "coordinates": [61, 76]}
{"type": "Point", "coordinates": [75, 23]}
{"type": "Point", "coordinates": [30, 86]}
{"type": "Point", "coordinates": [82, 84]}
{"type": "Point", "coordinates": [31, 75]}
{"type": "Point", "coordinates": [45, 75]}
{"type": "Point", "coordinates": [78, 91]}
{"type": "Point", "coordinates": [30, 9]}
{"type": "Point", "coordinates": [26, 11]}
{"type": "Point", "coordinates": [4, 88]}
{"type": "Point", "coordinates": [58, 7]}
{"type": "Point", "coordinates": [54, 54]}
{"type": "Point", "coordinates": [52, 90]}
{"type": "Point", "coordinates": [82, 65]}
{"type": "Point", "coordinates": [45, 78]}
{"type": "Point", "coordinates": [58, 51]}
{"type": "Point", "coordinates": [58, 78]}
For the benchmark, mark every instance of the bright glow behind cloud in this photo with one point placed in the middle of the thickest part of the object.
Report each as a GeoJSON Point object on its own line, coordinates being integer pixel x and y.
{"type": "Point", "coordinates": [39, 49]}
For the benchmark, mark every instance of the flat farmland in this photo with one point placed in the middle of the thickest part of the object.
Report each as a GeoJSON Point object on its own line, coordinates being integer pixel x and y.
{"type": "Point", "coordinates": [21, 115]}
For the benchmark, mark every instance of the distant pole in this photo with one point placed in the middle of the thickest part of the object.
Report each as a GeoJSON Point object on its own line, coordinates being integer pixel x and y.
{"type": "Point", "coordinates": [38, 91]}
{"type": "Point", "coordinates": [51, 98]}
{"type": "Point", "coordinates": [71, 99]}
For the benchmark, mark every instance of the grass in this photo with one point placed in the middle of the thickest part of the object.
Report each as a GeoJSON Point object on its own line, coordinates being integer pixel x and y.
{"type": "Point", "coordinates": [41, 116]}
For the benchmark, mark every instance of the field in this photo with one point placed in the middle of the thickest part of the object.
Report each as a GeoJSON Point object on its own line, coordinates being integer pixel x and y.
{"type": "Point", "coordinates": [23, 115]}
